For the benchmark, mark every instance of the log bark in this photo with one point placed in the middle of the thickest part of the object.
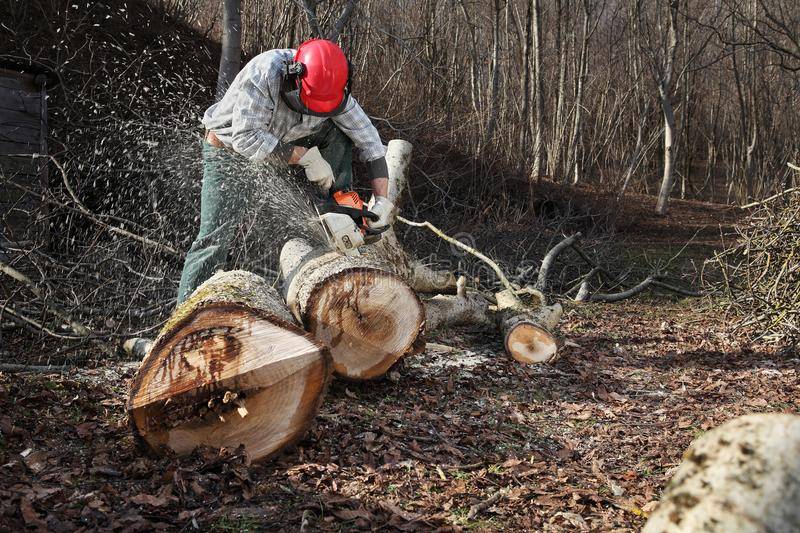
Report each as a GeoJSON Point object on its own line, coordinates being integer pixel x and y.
{"type": "Point", "coordinates": [368, 316]}
{"type": "Point", "coordinates": [740, 477]}
{"type": "Point", "coordinates": [447, 311]}
{"type": "Point", "coordinates": [230, 367]}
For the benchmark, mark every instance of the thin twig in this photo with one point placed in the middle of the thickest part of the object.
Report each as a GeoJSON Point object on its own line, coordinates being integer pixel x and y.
{"type": "Point", "coordinates": [466, 248]}
{"type": "Point", "coordinates": [485, 504]}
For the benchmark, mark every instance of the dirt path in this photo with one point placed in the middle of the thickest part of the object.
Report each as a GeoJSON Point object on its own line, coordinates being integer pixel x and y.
{"type": "Point", "coordinates": [584, 444]}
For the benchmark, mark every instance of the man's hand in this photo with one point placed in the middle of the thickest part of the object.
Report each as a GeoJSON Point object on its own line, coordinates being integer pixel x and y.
{"type": "Point", "coordinates": [318, 171]}
{"type": "Point", "coordinates": [381, 206]}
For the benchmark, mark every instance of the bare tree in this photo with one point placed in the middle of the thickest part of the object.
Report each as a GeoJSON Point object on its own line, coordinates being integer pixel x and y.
{"type": "Point", "coordinates": [230, 60]}
{"type": "Point", "coordinates": [538, 86]}
{"type": "Point", "coordinates": [665, 89]}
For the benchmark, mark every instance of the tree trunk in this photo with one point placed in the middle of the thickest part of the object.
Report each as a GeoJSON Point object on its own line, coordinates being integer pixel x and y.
{"type": "Point", "coordinates": [668, 178]}
{"type": "Point", "coordinates": [665, 94]}
{"type": "Point", "coordinates": [538, 84]}
{"type": "Point", "coordinates": [740, 477]}
{"type": "Point", "coordinates": [557, 141]}
{"type": "Point", "coordinates": [368, 316]}
{"type": "Point", "coordinates": [230, 60]}
{"type": "Point", "coordinates": [495, 83]}
{"type": "Point", "coordinates": [526, 77]}
{"type": "Point", "coordinates": [582, 71]}
{"type": "Point", "coordinates": [230, 367]}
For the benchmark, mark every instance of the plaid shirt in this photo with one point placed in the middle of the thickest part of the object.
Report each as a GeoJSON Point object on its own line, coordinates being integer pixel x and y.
{"type": "Point", "coordinates": [253, 119]}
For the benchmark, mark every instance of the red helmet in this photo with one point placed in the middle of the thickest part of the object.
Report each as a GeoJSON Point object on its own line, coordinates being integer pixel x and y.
{"type": "Point", "coordinates": [319, 78]}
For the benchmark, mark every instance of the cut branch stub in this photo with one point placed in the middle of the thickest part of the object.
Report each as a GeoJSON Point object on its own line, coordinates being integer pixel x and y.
{"type": "Point", "coordinates": [367, 316]}
{"type": "Point", "coordinates": [230, 367]}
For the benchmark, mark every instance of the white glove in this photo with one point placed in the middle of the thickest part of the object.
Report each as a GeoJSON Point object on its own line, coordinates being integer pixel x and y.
{"type": "Point", "coordinates": [381, 206]}
{"type": "Point", "coordinates": [318, 171]}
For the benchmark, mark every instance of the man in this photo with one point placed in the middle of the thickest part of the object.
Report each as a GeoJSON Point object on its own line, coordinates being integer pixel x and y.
{"type": "Point", "coordinates": [284, 106]}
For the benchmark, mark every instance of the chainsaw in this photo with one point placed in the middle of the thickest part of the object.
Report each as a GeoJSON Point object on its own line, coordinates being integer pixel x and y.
{"type": "Point", "coordinates": [344, 220]}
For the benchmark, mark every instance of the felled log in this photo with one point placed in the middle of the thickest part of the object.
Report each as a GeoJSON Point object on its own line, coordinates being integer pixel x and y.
{"type": "Point", "coordinates": [368, 316]}
{"type": "Point", "coordinates": [528, 325]}
{"type": "Point", "coordinates": [388, 250]}
{"type": "Point", "coordinates": [743, 476]}
{"type": "Point", "coordinates": [230, 367]}
{"type": "Point", "coordinates": [528, 335]}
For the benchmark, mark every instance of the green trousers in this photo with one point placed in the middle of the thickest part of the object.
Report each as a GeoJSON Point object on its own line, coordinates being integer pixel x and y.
{"type": "Point", "coordinates": [223, 201]}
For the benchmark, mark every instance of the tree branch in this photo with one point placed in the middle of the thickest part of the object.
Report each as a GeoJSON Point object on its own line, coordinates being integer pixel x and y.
{"type": "Point", "coordinates": [342, 22]}
{"type": "Point", "coordinates": [310, 7]}
{"type": "Point", "coordinates": [466, 248]}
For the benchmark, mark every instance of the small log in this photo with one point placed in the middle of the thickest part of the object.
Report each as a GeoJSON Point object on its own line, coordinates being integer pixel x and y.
{"type": "Point", "coordinates": [526, 324]}
{"type": "Point", "coordinates": [528, 334]}
{"type": "Point", "coordinates": [368, 316]}
{"type": "Point", "coordinates": [230, 367]}
{"type": "Point", "coordinates": [743, 476]}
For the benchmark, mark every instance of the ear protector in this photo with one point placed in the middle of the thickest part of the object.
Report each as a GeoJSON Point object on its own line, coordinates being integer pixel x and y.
{"type": "Point", "coordinates": [292, 85]}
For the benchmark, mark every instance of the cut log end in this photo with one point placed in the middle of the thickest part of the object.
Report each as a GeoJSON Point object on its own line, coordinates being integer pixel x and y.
{"type": "Point", "coordinates": [228, 374]}
{"type": "Point", "coordinates": [368, 318]}
{"type": "Point", "coordinates": [530, 343]}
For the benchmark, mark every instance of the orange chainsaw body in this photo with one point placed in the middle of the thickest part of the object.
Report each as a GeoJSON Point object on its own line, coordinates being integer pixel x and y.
{"type": "Point", "coordinates": [353, 200]}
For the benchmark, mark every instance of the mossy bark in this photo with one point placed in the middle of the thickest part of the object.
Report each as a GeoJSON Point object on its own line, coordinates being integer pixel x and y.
{"type": "Point", "coordinates": [743, 476]}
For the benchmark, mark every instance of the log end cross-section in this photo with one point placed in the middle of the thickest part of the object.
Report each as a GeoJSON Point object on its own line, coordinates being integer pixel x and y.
{"type": "Point", "coordinates": [229, 368]}
{"type": "Point", "coordinates": [368, 316]}
{"type": "Point", "coordinates": [529, 335]}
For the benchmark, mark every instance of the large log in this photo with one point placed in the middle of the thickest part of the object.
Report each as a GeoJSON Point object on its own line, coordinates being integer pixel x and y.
{"type": "Point", "coordinates": [368, 316]}
{"type": "Point", "coordinates": [743, 476]}
{"type": "Point", "coordinates": [230, 367]}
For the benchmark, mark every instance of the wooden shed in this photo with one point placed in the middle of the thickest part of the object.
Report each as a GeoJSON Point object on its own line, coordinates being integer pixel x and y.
{"type": "Point", "coordinates": [23, 131]}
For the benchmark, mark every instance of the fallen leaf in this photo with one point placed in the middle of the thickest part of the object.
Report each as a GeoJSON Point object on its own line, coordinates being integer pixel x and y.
{"type": "Point", "coordinates": [394, 509]}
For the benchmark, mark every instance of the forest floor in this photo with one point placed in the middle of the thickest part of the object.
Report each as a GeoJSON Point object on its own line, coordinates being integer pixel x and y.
{"type": "Point", "coordinates": [460, 438]}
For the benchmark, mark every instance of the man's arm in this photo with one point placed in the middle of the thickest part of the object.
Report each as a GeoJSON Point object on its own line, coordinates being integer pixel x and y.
{"type": "Point", "coordinates": [380, 186]}
{"type": "Point", "coordinates": [253, 110]}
